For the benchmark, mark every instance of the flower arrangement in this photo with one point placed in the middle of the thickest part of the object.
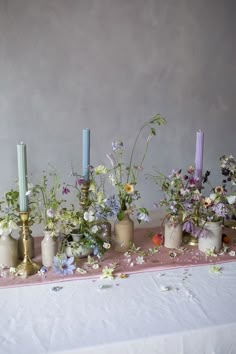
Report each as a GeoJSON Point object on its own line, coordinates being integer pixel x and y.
{"type": "Point", "coordinates": [124, 178]}
{"type": "Point", "coordinates": [9, 212]}
{"type": "Point", "coordinates": [189, 204]}
{"type": "Point", "coordinates": [180, 193]}
{"type": "Point", "coordinates": [85, 220]}
{"type": "Point", "coordinates": [49, 204]}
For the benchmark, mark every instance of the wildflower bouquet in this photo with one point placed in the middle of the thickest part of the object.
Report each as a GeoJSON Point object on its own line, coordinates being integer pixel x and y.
{"type": "Point", "coordinates": [124, 178]}
{"type": "Point", "coordinates": [86, 220]}
{"type": "Point", "coordinates": [180, 194]}
{"type": "Point", "coordinates": [228, 170]}
{"type": "Point", "coordinates": [46, 196]}
{"type": "Point", "coordinates": [9, 212]}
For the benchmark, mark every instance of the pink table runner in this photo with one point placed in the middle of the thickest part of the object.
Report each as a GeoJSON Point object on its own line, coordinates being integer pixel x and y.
{"type": "Point", "coordinates": [162, 260]}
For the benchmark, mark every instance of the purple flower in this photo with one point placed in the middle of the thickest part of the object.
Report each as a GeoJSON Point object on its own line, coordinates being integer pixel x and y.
{"type": "Point", "coordinates": [188, 227]}
{"type": "Point", "coordinates": [63, 265]}
{"type": "Point", "coordinates": [50, 213]}
{"type": "Point", "coordinates": [79, 182]}
{"type": "Point", "coordinates": [65, 190]}
{"type": "Point", "coordinates": [219, 209]}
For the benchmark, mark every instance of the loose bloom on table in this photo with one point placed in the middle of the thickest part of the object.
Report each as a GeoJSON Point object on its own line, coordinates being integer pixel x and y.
{"type": "Point", "coordinates": [107, 272]}
{"type": "Point", "coordinates": [140, 260]}
{"type": "Point", "coordinates": [63, 265]}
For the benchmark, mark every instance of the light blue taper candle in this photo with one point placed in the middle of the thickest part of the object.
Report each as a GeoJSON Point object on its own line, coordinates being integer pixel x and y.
{"type": "Point", "coordinates": [22, 177]}
{"type": "Point", "coordinates": [86, 154]}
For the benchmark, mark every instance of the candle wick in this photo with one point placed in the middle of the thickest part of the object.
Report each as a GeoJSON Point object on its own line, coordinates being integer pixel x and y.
{"type": "Point", "coordinates": [22, 142]}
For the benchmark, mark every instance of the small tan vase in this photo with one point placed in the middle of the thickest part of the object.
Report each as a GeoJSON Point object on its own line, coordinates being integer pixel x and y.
{"type": "Point", "coordinates": [49, 248]}
{"type": "Point", "coordinates": [213, 238]}
{"type": "Point", "coordinates": [173, 235]}
{"type": "Point", "coordinates": [124, 233]}
{"type": "Point", "coordinates": [8, 251]}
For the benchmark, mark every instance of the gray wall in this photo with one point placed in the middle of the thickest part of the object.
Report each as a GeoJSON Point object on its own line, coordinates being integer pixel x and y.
{"type": "Point", "coordinates": [109, 65]}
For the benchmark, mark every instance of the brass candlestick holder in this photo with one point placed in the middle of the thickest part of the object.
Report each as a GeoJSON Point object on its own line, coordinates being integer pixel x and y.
{"type": "Point", "coordinates": [26, 267]}
{"type": "Point", "coordinates": [84, 195]}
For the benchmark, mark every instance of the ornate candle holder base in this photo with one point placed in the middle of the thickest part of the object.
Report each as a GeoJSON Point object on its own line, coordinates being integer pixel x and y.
{"type": "Point", "coordinates": [26, 267]}
{"type": "Point", "coordinates": [84, 195]}
{"type": "Point", "coordinates": [190, 240]}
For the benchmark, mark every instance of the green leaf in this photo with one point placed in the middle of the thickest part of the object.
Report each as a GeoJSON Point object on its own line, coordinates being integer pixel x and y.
{"type": "Point", "coordinates": [120, 215]}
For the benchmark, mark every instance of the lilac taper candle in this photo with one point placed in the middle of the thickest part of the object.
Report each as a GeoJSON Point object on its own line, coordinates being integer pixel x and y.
{"type": "Point", "coordinates": [199, 155]}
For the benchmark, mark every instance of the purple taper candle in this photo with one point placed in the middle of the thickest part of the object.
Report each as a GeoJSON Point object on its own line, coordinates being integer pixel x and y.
{"type": "Point", "coordinates": [199, 156]}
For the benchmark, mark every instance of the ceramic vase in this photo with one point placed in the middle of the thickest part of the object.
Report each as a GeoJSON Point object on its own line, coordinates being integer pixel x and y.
{"type": "Point", "coordinates": [173, 235]}
{"type": "Point", "coordinates": [105, 233]}
{"type": "Point", "coordinates": [124, 233]}
{"type": "Point", "coordinates": [30, 245]}
{"type": "Point", "coordinates": [8, 251]}
{"type": "Point", "coordinates": [79, 251]}
{"type": "Point", "coordinates": [49, 248]}
{"type": "Point", "coordinates": [212, 238]}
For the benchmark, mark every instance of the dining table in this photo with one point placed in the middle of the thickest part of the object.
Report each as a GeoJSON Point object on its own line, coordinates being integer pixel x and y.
{"type": "Point", "coordinates": [180, 308]}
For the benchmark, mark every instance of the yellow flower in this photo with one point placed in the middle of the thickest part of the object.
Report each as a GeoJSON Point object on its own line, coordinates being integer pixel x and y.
{"type": "Point", "coordinates": [129, 188]}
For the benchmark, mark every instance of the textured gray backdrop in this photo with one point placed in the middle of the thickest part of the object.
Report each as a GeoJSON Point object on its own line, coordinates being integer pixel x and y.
{"type": "Point", "coordinates": [109, 65]}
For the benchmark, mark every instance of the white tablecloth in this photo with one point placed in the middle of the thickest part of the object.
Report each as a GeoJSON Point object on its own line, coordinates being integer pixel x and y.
{"type": "Point", "coordinates": [197, 315]}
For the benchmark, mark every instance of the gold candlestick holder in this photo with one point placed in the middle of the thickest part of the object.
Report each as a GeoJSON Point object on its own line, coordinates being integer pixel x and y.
{"type": "Point", "coordinates": [84, 200]}
{"type": "Point", "coordinates": [26, 267]}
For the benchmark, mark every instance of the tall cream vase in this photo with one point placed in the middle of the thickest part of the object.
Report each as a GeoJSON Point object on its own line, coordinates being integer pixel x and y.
{"type": "Point", "coordinates": [173, 235]}
{"type": "Point", "coordinates": [124, 233]}
{"type": "Point", "coordinates": [8, 251]}
{"type": "Point", "coordinates": [213, 238]}
{"type": "Point", "coordinates": [49, 248]}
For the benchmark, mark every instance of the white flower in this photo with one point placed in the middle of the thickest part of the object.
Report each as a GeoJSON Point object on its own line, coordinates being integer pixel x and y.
{"type": "Point", "coordinates": [99, 170]}
{"type": "Point", "coordinates": [51, 213]}
{"type": "Point", "coordinates": [95, 266]}
{"type": "Point", "coordinates": [231, 199]}
{"type": "Point", "coordinates": [12, 270]}
{"type": "Point", "coordinates": [143, 217]}
{"type": "Point", "coordinates": [232, 253]}
{"type": "Point", "coordinates": [112, 180]}
{"type": "Point", "coordinates": [81, 270]}
{"type": "Point", "coordinates": [164, 288]}
{"type": "Point", "coordinates": [140, 260]}
{"type": "Point", "coordinates": [30, 187]}
{"type": "Point", "coordinates": [106, 245]}
{"type": "Point", "coordinates": [212, 196]}
{"type": "Point", "coordinates": [7, 227]}
{"type": "Point", "coordinates": [89, 216]}
{"type": "Point", "coordinates": [94, 229]}
{"type": "Point", "coordinates": [127, 254]}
